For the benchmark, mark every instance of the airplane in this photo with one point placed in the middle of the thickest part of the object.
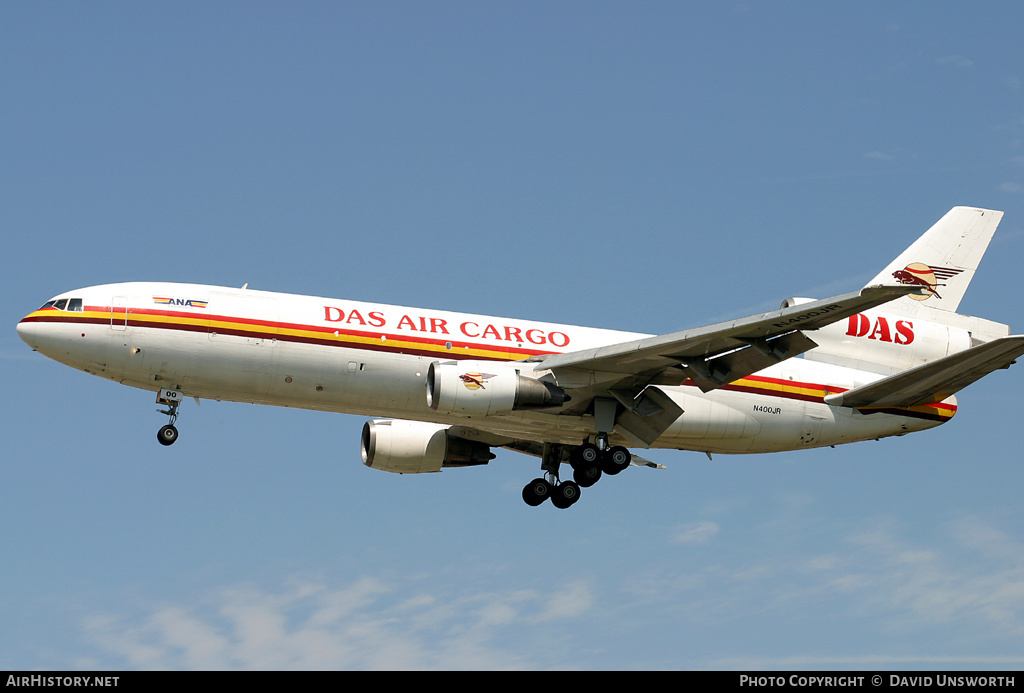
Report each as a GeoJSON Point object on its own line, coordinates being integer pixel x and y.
{"type": "Point", "coordinates": [444, 389]}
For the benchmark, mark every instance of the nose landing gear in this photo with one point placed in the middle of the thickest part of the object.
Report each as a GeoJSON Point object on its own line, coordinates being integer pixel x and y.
{"type": "Point", "coordinates": [172, 400]}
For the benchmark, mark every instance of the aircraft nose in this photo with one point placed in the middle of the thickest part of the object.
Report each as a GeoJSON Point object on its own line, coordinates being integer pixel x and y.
{"type": "Point", "coordinates": [29, 333]}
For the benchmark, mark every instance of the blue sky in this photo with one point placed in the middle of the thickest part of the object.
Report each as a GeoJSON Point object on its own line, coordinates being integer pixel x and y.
{"type": "Point", "coordinates": [635, 166]}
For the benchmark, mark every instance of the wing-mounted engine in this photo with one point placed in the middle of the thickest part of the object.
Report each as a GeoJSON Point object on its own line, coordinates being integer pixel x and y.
{"type": "Point", "coordinates": [412, 447]}
{"type": "Point", "coordinates": [487, 388]}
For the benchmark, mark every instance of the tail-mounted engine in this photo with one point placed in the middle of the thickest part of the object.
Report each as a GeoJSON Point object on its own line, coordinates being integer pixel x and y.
{"type": "Point", "coordinates": [412, 447]}
{"type": "Point", "coordinates": [487, 388]}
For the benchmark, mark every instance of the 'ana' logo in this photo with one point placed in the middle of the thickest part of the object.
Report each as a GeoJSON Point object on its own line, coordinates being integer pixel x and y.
{"type": "Point", "coordinates": [920, 274]}
{"type": "Point", "coordinates": [475, 381]}
{"type": "Point", "coordinates": [188, 302]}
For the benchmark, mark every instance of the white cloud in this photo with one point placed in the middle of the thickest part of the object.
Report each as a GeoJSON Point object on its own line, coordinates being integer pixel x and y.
{"type": "Point", "coordinates": [970, 580]}
{"type": "Point", "coordinates": [573, 601]}
{"type": "Point", "coordinates": [695, 533]}
{"type": "Point", "coordinates": [959, 594]}
{"type": "Point", "coordinates": [1010, 187]}
{"type": "Point", "coordinates": [980, 579]}
{"type": "Point", "coordinates": [313, 626]}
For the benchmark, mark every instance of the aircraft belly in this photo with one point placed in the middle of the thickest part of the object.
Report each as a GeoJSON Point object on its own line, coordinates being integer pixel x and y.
{"type": "Point", "coordinates": [709, 418]}
{"type": "Point", "coordinates": [738, 422]}
{"type": "Point", "coordinates": [853, 425]}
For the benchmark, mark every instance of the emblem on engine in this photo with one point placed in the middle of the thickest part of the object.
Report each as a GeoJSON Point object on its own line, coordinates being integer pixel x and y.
{"type": "Point", "coordinates": [475, 381]}
{"type": "Point", "coordinates": [920, 274]}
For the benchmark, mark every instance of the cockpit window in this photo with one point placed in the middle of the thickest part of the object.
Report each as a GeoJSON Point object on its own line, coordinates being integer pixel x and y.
{"type": "Point", "coordinates": [71, 304]}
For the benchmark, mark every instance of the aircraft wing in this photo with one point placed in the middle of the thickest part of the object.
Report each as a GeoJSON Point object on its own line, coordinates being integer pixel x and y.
{"type": "Point", "coordinates": [718, 354]}
{"type": "Point", "coordinates": [935, 381]}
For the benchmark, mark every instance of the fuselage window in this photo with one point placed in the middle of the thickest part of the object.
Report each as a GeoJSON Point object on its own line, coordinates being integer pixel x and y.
{"type": "Point", "coordinates": [75, 304]}
{"type": "Point", "coordinates": [61, 304]}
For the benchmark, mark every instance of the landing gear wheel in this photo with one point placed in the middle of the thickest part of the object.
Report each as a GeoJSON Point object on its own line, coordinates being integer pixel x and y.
{"type": "Point", "coordinates": [172, 398]}
{"type": "Point", "coordinates": [167, 434]}
{"type": "Point", "coordinates": [615, 460]}
{"type": "Point", "coordinates": [536, 492]}
{"type": "Point", "coordinates": [565, 494]}
{"type": "Point", "coordinates": [588, 454]}
{"type": "Point", "coordinates": [586, 476]}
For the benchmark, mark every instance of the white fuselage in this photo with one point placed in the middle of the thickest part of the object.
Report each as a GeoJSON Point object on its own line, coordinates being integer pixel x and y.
{"type": "Point", "coordinates": [368, 359]}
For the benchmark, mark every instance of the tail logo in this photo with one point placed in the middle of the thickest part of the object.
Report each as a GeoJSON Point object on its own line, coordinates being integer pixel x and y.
{"type": "Point", "coordinates": [475, 381]}
{"type": "Point", "coordinates": [920, 274]}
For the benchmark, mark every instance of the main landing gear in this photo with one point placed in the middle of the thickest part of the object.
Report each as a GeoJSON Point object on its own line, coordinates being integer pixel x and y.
{"type": "Point", "coordinates": [172, 399]}
{"type": "Point", "coordinates": [589, 463]}
{"type": "Point", "coordinates": [562, 494]}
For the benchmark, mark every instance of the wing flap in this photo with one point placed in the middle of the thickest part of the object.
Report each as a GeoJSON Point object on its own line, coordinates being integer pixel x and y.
{"type": "Point", "coordinates": [714, 372]}
{"type": "Point", "coordinates": [646, 417]}
{"type": "Point", "coordinates": [935, 381]}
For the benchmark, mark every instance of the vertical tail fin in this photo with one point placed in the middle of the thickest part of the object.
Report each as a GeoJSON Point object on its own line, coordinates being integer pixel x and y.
{"type": "Point", "coordinates": [919, 329]}
{"type": "Point", "coordinates": [944, 259]}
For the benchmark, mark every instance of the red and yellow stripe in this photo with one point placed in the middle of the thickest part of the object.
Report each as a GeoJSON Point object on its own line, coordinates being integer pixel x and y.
{"type": "Point", "coordinates": [323, 335]}
{"type": "Point", "coordinates": [816, 392]}
{"type": "Point", "coordinates": [424, 346]}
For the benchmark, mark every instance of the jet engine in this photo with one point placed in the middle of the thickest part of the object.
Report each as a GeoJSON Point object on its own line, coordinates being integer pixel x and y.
{"type": "Point", "coordinates": [487, 388]}
{"type": "Point", "coordinates": [790, 302]}
{"type": "Point", "coordinates": [412, 447]}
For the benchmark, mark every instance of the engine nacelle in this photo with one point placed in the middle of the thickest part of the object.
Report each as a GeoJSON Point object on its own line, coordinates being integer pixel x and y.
{"type": "Point", "coordinates": [412, 447]}
{"type": "Point", "coordinates": [790, 302]}
{"type": "Point", "coordinates": [487, 388]}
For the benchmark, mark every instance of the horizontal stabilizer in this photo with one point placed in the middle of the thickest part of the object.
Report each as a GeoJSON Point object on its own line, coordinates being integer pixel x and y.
{"type": "Point", "coordinates": [934, 381]}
